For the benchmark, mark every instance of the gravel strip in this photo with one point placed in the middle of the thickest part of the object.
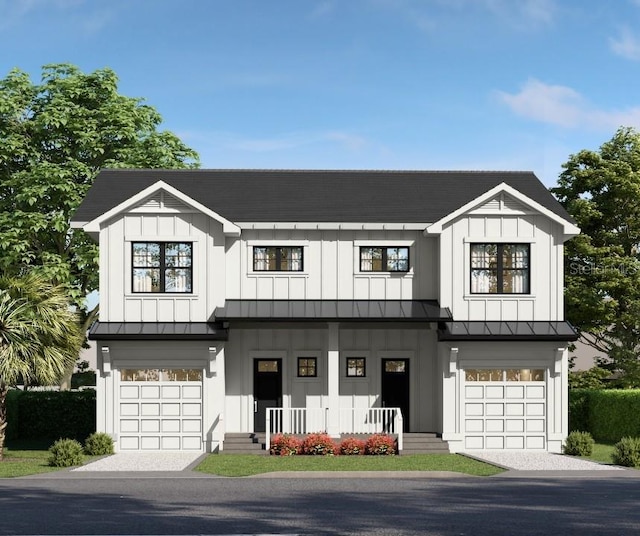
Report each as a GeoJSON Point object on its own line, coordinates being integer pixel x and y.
{"type": "Point", "coordinates": [538, 461]}
{"type": "Point", "coordinates": [143, 461]}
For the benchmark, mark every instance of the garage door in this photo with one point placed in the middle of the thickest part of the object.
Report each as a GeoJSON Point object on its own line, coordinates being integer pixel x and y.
{"type": "Point", "coordinates": [504, 409]}
{"type": "Point", "coordinates": [160, 409]}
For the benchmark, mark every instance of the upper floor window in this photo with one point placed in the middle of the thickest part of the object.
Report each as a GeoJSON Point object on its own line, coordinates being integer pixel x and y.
{"type": "Point", "coordinates": [500, 268]}
{"type": "Point", "coordinates": [162, 266]}
{"type": "Point", "coordinates": [384, 259]}
{"type": "Point", "coordinates": [277, 259]}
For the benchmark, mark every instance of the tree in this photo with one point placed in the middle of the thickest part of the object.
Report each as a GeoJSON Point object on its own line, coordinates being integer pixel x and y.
{"type": "Point", "coordinates": [54, 138]}
{"type": "Point", "coordinates": [39, 335]}
{"type": "Point", "coordinates": [601, 190]}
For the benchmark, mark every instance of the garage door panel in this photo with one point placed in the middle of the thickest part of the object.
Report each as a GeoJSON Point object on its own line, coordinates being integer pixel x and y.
{"type": "Point", "coordinates": [535, 391]}
{"type": "Point", "coordinates": [129, 443]}
{"type": "Point", "coordinates": [192, 410]}
{"type": "Point", "coordinates": [535, 410]}
{"type": "Point", "coordinates": [515, 409]}
{"type": "Point", "coordinates": [148, 409]}
{"type": "Point", "coordinates": [474, 391]}
{"type": "Point", "coordinates": [150, 443]}
{"type": "Point", "coordinates": [494, 391]}
{"type": "Point", "coordinates": [191, 391]}
{"type": "Point", "coordinates": [474, 442]}
{"type": "Point", "coordinates": [157, 414]}
{"type": "Point", "coordinates": [150, 392]}
{"type": "Point", "coordinates": [171, 425]}
{"type": "Point", "coordinates": [514, 442]}
{"type": "Point", "coordinates": [129, 425]}
{"type": "Point", "coordinates": [130, 410]}
{"type": "Point", "coordinates": [171, 410]}
{"type": "Point", "coordinates": [170, 391]}
{"type": "Point", "coordinates": [495, 425]}
{"type": "Point", "coordinates": [474, 425]}
{"type": "Point", "coordinates": [150, 425]}
{"type": "Point", "coordinates": [515, 392]}
{"type": "Point", "coordinates": [129, 391]}
{"type": "Point", "coordinates": [504, 409]}
{"type": "Point", "coordinates": [515, 425]}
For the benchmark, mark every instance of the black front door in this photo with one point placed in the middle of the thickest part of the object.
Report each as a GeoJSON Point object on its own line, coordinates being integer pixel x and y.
{"type": "Point", "coordinates": [395, 387]}
{"type": "Point", "coordinates": [267, 390]}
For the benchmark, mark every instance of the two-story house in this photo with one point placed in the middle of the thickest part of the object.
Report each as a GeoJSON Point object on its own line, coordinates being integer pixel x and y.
{"type": "Point", "coordinates": [340, 301]}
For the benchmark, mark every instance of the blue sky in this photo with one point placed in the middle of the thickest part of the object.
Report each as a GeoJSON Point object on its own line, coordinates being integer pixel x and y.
{"type": "Point", "coordinates": [356, 84]}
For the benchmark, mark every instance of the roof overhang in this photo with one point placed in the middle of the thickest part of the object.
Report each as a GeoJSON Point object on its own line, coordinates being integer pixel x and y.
{"type": "Point", "coordinates": [331, 311]}
{"type": "Point", "coordinates": [569, 229]}
{"type": "Point", "coordinates": [229, 228]}
{"type": "Point", "coordinates": [163, 331]}
{"type": "Point", "coordinates": [507, 331]}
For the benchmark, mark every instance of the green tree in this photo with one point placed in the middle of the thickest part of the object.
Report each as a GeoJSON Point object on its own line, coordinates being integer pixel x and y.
{"type": "Point", "coordinates": [40, 336]}
{"type": "Point", "coordinates": [601, 190]}
{"type": "Point", "coordinates": [54, 138]}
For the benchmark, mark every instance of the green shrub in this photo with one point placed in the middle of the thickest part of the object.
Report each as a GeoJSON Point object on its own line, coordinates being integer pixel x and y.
{"type": "Point", "coordinates": [285, 445]}
{"type": "Point", "coordinates": [579, 409]}
{"type": "Point", "coordinates": [579, 444]}
{"type": "Point", "coordinates": [98, 444]}
{"type": "Point", "coordinates": [319, 445]}
{"type": "Point", "coordinates": [626, 452]}
{"type": "Point", "coordinates": [380, 445]}
{"type": "Point", "coordinates": [65, 453]}
{"type": "Point", "coordinates": [53, 414]}
{"type": "Point", "coordinates": [614, 414]}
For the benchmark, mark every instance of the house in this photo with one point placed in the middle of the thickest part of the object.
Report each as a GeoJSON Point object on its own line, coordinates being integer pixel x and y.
{"type": "Point", "coordinates": [346, 301]}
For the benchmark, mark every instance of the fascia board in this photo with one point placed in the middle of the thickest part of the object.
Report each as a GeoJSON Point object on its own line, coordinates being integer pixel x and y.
{"type": "Point", "coordinates": [228, 227]}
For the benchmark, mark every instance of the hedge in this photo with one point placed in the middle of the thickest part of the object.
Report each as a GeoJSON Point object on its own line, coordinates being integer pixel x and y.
{"type": "Point", "coordinates": [608, 414]}
{"type": "Point", "coordinates": [50, 415]}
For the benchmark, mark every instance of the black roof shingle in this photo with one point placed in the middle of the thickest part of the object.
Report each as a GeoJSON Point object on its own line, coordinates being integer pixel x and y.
{"type": "Point", "coordinates": [317, 195]}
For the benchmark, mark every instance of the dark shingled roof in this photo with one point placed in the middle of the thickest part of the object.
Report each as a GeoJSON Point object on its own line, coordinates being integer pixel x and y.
{"type": "Point", "coordinates": [315, 195]}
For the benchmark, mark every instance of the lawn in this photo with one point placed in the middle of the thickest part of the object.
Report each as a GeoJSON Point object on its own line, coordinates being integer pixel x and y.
{"type": "Point", "coordinates": [601, 453]}
{"type": "Point", "coordinates": [247, 465]}
{"type": "Point", "coordinates": [25, 462]}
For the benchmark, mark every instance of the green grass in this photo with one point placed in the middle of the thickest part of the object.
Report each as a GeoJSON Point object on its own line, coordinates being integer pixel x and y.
{"type": "Point", "coordinates": [25, 462]}
{"type": "Point", "coordinates": [247, 465]}
{"type": "Point", "coordinates": [601, 453]}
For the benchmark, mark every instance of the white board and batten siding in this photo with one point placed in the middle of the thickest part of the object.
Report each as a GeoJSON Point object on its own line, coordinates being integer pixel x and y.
{"type": "Point", "coordinates": [331, 268]}
{"type": "Point", "coordinates": [489, 224]}
{"type": "Point", "coordinates": [117, 301]}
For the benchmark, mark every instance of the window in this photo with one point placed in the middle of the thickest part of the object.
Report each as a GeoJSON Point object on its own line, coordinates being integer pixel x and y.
{"type": "Point", "coordinates": [277, 259]}
{"type": "Point", "coordinates": [500, 268]}
{"type": "Point", "coordinates": [499, 375]}
{"type": "Point", "coordinates": [161, 375]}
{"type": "Point", "coordinates": [162, 266]}
{"type": "Point", "coordinates": [307, 367]}
{"type": "Point", "coordinates": [383, 259]}
{"type": "Point", "coordinates": [356, 367]}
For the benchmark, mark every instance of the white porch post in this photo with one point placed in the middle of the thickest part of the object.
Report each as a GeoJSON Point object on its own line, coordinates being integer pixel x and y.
{"type": "Point", "coordinates": [333, 379]}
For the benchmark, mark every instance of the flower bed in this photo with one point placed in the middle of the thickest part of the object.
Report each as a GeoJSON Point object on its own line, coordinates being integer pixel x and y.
{"type": "Point", "coordinates": [321, 444]}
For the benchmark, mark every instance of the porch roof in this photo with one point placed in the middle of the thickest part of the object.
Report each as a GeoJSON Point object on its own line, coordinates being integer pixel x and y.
{"type": "Point", "coordinates": [142, 331]}
{"type": "Point", "coordinates": [507, 331]}
{"type": "Point", "coordinates": [332, 310]}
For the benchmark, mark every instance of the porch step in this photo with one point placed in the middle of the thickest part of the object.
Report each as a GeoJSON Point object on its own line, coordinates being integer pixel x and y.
{"type": "Point", "coordinates": [243, 443]}
{"type": "Point", "coordinates": [424, 443]}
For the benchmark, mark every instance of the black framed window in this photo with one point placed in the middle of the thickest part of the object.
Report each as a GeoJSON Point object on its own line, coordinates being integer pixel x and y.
{"type": "Point", "coordinates": [500, 268]}
{"type": "Point", "coordinates": [384, 259]}
{"type": "Point", "coordinates": [277, 259]}
{"type": "Point", "coordinates": [356, 367]}
{"type": "Point", "coordinates": [307, 367]}
{"type": "Point", "coordinates": [161, 267]}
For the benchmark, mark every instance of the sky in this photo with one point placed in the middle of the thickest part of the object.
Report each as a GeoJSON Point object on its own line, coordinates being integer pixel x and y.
{"type": "Point", "coordinates": [355, 84]}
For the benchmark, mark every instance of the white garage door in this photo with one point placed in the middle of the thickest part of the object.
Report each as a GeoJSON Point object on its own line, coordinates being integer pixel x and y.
{"type": "Point", "coordinates": [504, 409]}
{"type": "Point", "coordinates": [160, 409]}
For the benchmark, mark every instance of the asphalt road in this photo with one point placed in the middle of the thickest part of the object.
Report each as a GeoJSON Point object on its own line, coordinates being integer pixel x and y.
{"type": "Point", "coordinates": [327, 506]}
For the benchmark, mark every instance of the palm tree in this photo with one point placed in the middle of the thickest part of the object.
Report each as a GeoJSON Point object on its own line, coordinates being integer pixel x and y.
{"type": "Point", "coordinates": [39, 335]}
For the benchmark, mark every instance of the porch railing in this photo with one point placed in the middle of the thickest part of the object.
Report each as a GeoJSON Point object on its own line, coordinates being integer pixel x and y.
{"type": "Point", "coordinates": [351, 421]}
